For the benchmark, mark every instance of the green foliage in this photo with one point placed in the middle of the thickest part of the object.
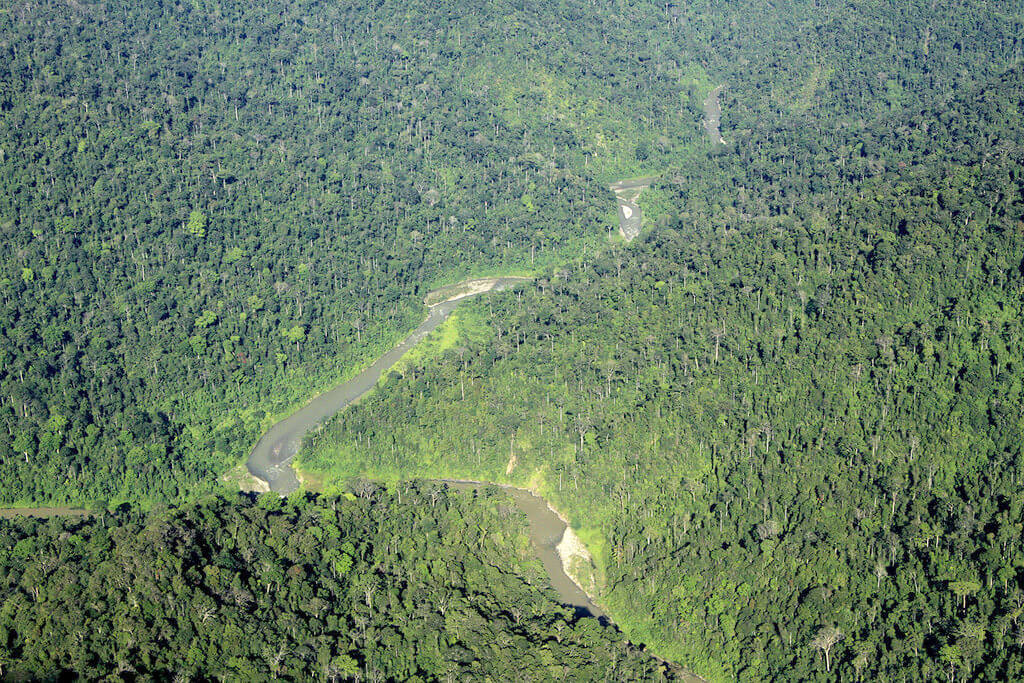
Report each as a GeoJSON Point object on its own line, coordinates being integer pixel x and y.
{"type": "Point", "coordinates": [196, 225]}
{"type": "Point", "coordinates": [432, 585]}
{"type": "Point", "coordinates": [206, 319]}
{"type": "Point", "coordinates": [786, 419]}
{"type": "Point", "coordinates": [322, 194]}
{"type": "Point", "coordinates": [793, 437]}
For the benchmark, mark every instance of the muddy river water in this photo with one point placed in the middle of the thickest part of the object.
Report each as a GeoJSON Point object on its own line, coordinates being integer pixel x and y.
{"type": "Point", "coordinates": [271, 459]}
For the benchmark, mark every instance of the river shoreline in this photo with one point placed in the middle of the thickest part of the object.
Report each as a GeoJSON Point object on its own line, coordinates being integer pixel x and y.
{"type": "Point", "coordinates": [564, 556]}
{"type": "Point", "coordinates": [270, 459]}
{"type": "Point", "coordinates": [627, 196]}
{"type": "Point", "coordinates": [567, 548]}
{"type": "Point", "coordinates": [713, 116]}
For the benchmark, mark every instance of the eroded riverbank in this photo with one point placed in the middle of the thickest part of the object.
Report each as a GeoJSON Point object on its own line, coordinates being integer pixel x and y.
{"type": "Point", "coordinates": [563, 555]}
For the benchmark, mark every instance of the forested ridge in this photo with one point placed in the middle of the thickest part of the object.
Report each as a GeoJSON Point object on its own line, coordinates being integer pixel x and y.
{"type": "Point", "coordinates": [417, 584]}
{"type": "Point", "coordinates": [785, 420]}
{"type": "Point", "coordinates": [788, 427]}
{"type": "Point", "coordinates": [210, 211]}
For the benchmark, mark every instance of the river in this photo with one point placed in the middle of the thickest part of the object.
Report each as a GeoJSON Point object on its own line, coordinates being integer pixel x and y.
{"type": "Point", "coordinates": [627, 193]}
{"type": "Point", "coordinates": [271, 459]}
{"type": "Point", "coordinates": [713, 116]}
{"type": "Point", "coordinates": [547, 531]}
{"type": "Point", "coordinates": [43, 512]}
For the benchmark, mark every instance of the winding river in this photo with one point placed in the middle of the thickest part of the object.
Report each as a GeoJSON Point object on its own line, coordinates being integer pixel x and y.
{"type": "Point", "coordinates": [271, 459]}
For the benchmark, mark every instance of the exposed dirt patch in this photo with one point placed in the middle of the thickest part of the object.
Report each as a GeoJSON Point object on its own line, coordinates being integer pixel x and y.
{"type": "Point", "coordinates": [465, 289]}
{"type": "Point", "coordinates": [245, 481]}
{"type": "Point", "coordinates": [576, 561]}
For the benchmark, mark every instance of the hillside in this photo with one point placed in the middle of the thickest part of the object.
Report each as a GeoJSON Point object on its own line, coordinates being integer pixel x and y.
{"type": "Point", "coordinates": [771, 423]}
{"type": "Point", "coordinates": [304, 588]}
{"type": "Point", "coordinates": [784, 419]}
{"type": "Point", "coordinates": [211, 211]}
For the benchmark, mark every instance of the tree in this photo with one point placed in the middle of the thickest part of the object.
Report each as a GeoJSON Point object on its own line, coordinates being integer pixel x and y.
{"type": "Point", "coordinates": [827, 637]}
{"type": "Point", "coordinates": [964, 588]}
{"type": "Point", "coordinates": [206, 319]}
{"type": "Point", "coordinates": [343, 666]}
{"type": "Point", "coordinates": [196, 223]}
{"type": "Point", "coordinates": [951, 655]}
{"type": "Point", "coordinates": [295, 334]}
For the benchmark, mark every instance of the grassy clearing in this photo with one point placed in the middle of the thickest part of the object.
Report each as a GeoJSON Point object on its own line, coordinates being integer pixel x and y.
{"type": "Point", "coordinates": [462, 326]}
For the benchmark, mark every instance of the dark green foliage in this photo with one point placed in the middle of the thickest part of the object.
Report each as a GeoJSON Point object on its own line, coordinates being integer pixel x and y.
{"type": "Point", "coordinates": [792, 408]}
{"type": "Point", "coordinates": [212, 210]}
{"type": "Point", "coordinates": [419, 582]}
{"type": "Point", "coordinates": [778, 417]}
{"type": "Point", "coordinates": [209, 212]}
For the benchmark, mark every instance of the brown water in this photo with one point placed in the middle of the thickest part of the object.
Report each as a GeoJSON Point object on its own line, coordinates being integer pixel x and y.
{"type": "Point", "coordinates": [546, 530]}
{"type": "Point", "coordinates": [271, 459]}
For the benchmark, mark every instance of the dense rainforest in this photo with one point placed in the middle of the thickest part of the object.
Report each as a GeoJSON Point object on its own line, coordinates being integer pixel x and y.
{"type": "Point", "coordinates": [788, 426]}
{"type": "Point", "coordinates": [212, 210]}
{"type": "Point", "coordinates": [785, 419]}
{"type": "Point", "coordinates": [417, 584]}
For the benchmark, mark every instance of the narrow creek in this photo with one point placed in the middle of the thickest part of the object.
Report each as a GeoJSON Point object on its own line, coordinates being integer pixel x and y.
{"type": "Point", "coordinates": [271, 459]}
{"type": "Point", "coordinates": [713, 116]}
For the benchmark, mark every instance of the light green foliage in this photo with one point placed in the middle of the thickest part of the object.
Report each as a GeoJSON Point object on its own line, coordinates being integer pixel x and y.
{"type": "Point", "coordinates": [234, 255]}
{"type": "Point", "coordinates": [791, 405]}
{"type": "Point", "coordinates": [774, 430]}
{"type": "Point", "coordinates": [196, 223]}
{"type": "Point", "coordinates": [294, 334]}
{"type": "Point", "coordinates": [206, 319]}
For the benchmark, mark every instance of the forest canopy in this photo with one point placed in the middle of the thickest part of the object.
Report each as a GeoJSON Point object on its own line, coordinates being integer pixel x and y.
{"type": "Point", "coordinates": [785, 419]}
{"type": "Point", "coordinates": [419, 584]}
{"type": "Point", "coordinates": [786, 425]}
